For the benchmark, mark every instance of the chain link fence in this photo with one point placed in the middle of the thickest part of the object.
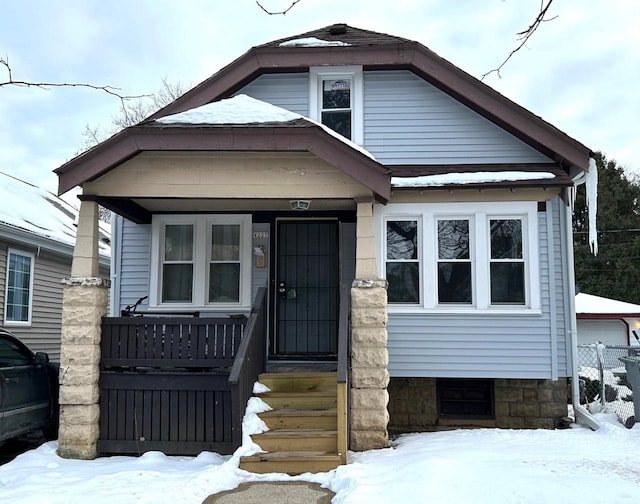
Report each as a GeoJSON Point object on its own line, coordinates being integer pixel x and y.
{"type": "Point", "coordinates": [603, 380]}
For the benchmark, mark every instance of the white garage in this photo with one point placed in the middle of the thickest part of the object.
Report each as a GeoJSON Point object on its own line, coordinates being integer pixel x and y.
{"type": "Point", "coordinates": [607, 320]}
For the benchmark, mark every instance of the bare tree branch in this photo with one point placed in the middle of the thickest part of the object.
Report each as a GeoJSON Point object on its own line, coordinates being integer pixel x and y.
{"type": "Point", "coordinates": [525, 35]}
{"type": "Point", "coordinates": [282, 13]}
{"type": "Point", "coordinates": [114, 91]}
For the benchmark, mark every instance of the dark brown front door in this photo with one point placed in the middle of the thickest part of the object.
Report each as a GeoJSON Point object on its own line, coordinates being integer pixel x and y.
{"type": "Point", "coordinates": [306, 289]}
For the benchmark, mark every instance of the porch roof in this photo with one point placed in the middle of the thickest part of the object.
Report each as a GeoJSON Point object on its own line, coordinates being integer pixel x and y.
{"type": "Point", "coordinates": [199, 132]}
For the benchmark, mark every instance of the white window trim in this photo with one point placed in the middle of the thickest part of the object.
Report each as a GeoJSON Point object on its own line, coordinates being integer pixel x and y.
{"type": "Point", "coordinates": [19, 323]}
{"type": "Point", "coordinates": [419, 259]}
{"type": "Point", "coordinates": [480, 213]}
{"type": "Point", "coordinates": [201, 253]}
{"type": "Point", "coordinates": [352, 72]}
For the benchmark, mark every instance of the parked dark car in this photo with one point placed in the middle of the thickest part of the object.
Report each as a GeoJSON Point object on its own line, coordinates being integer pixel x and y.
{"type": "Point", "coordinates": [28, 390]}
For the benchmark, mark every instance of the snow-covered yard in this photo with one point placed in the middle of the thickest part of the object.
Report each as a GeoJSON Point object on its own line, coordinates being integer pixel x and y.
{"type": "Point", "coordinates": [462, 466]}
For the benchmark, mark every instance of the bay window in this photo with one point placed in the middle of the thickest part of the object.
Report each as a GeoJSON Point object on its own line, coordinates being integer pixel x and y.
{"type": "Point", "coordinates": [200, 261]}
{"type": "Point", "coordinates": [460, 257]}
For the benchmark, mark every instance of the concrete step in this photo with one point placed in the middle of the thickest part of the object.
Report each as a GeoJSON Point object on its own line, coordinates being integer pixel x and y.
{"type": "Point", "coordinates": [290, 462]}
{"type": "Point", "coordinates": [297, 440]}
{"type": "Point", "coordinates": [301, 419]}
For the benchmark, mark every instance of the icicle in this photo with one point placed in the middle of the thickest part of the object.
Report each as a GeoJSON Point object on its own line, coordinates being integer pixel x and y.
{"type": "Point", "coordinates": [592, 204]}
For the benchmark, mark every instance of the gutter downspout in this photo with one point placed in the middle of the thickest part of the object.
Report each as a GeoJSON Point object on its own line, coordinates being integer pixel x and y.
{"type": "Point", "coordinates": [582, 415]}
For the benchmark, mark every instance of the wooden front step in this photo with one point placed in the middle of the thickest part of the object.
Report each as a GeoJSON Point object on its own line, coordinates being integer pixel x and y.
{"type": "Point", "coordinates": [299, 382]}
{"type": "Point", "coordinates": [303, 423]}
{"type": "Point", "coordinates": [301, 419]}
{"type": "Point", "coordinates": [297, 440]}
{"type": "Point", "coordinates": [300, 400]}
{"type": "Point", "coordinates": [292, 463]}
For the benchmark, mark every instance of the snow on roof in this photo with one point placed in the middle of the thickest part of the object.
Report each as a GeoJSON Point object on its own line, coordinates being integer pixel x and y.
{"type": "Point", "coordinates": [588, 303]}
{"type": "Point", "coordinates": [26, 207]}
{"type": "Point", "coordinates": [240, 109]}
{"type": "Point", "coordinates": [244, 110]}
{"type": "Point", "coordinates": [312, 42]}
{"type": "Point", "coordinates": [468, 178]}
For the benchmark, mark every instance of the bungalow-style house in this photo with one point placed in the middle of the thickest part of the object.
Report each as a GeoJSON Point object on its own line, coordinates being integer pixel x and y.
{"type": "Point", "coordinates": [344, 196]}
{"type": "Point", "coordinates": [37, 234]}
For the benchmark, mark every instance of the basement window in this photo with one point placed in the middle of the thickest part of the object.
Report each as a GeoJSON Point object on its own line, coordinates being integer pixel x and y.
{"type": "Point", "coordinates": [465, 398]}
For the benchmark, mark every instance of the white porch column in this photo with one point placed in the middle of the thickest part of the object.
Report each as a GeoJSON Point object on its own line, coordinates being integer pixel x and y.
{"type": "Point", "coordinates": [369, 358]}
{"type": "Point", "coordinates": [84, 302]}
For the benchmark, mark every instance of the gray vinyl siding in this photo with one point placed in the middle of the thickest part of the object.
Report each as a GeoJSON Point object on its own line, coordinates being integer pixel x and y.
{"type": "Point", "coordinates": [260, 276]}
{"type": "Point", "coordinates": [43, 335]}
{"type": "Point", "coordinates": [135, 260]}
{"type": "Point", "coordinates": [483, 345]}
{"type": "Point", "coordinates": [409, 121]}
{"type": "Point", "coordinates": [289, 91]}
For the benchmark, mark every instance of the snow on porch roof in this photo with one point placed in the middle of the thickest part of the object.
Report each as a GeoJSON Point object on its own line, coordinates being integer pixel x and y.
{"type": "Point", "coordinates": [245, 110]}
{"type": "Point", "coordinates": [588, 304]}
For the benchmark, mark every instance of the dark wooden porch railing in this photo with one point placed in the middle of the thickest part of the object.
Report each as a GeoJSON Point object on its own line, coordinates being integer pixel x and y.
{"type": "Point", "coordinates": [344, 328]}
{"type": "Point", "coordinates": [249, 362]}
{"type": "Point", "coordinates": [165, 382]}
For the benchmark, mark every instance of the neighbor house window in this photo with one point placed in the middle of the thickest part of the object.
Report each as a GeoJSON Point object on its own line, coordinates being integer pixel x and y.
{"type": "Point", "coordinates": [201, 261]}
{"type": "Point", "coordinates": [336, 98]}
{"type": "Point", "coordinates": [19, 288]}
{"type": "Point", "coordinates": [403, 261]}
{"type": "Point", "coordinates": [460, 256]}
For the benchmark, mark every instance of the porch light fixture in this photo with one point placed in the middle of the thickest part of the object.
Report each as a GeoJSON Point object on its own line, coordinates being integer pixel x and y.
{"type": "Point", "coordinates": [300, 205]}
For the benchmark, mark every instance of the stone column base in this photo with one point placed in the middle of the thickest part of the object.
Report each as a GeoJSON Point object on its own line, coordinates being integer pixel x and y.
{"type": "Point", "coordinates": [369, 359]}
{"type": "Point", "coordinates": [84, 303]}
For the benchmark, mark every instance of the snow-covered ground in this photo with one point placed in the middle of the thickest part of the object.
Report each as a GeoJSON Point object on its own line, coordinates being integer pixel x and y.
{"type": "Point", "coordinates": [463, 466]}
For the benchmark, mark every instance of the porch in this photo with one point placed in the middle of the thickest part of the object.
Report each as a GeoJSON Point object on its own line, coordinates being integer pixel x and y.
{"type": "Point", "coordinates": [234, 210]}
{"type": "Point", "coordinates": [181, 385]}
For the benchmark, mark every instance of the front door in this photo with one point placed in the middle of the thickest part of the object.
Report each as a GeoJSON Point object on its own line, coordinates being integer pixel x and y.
{"type": "Point", "coordinates": [306, 289]}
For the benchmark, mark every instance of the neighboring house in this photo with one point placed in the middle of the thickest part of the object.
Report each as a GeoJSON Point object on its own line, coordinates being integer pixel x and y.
{"type": "Point", "coordinates": [343, 156]}
{"type": "Point", "coordinates": [37, 234]}
{"type": "Point", "coordinates": [608, 321]}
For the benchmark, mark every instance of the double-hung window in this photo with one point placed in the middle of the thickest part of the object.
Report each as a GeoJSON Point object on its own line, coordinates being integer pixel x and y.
{"type": "Point", "coordinates": [460, 257]}
{"type": "Point", "coordinates": [335, 99]}
{"type": "Point", "coordinates": [19, 288]}
{"type": "Point", "coordinates": [201, 261]}
{"type": "Point", "coordinates": [454, 261]}
{"type": "Point", "coordinates": [506, 262]}
{"type": "Point", "coordinates": [403, 261]}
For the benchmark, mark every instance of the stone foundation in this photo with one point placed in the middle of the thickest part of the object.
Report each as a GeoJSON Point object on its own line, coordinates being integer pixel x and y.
{"type": "Point", "coordinates": [84, 303]}
{"type": "Point", "coordinates": [519, 404]}
{"type": "Point", "coordinates": [369, 359]}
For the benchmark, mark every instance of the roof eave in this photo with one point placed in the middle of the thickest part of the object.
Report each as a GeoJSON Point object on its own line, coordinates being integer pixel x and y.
{"type": "Point", "coordinates": [136, 139]}
{"type": "Point", "coordinates": [413, 56]}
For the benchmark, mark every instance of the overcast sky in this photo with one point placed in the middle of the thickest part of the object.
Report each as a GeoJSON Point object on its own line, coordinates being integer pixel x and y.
{"type": "Point", "coordinates": [581, 71]}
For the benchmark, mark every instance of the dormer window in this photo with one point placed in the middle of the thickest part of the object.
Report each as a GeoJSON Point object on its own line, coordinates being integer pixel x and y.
{"type": "Point", "coordinates": [335, 99]}
{"type": "Point", "coordinates": [336, 105]}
